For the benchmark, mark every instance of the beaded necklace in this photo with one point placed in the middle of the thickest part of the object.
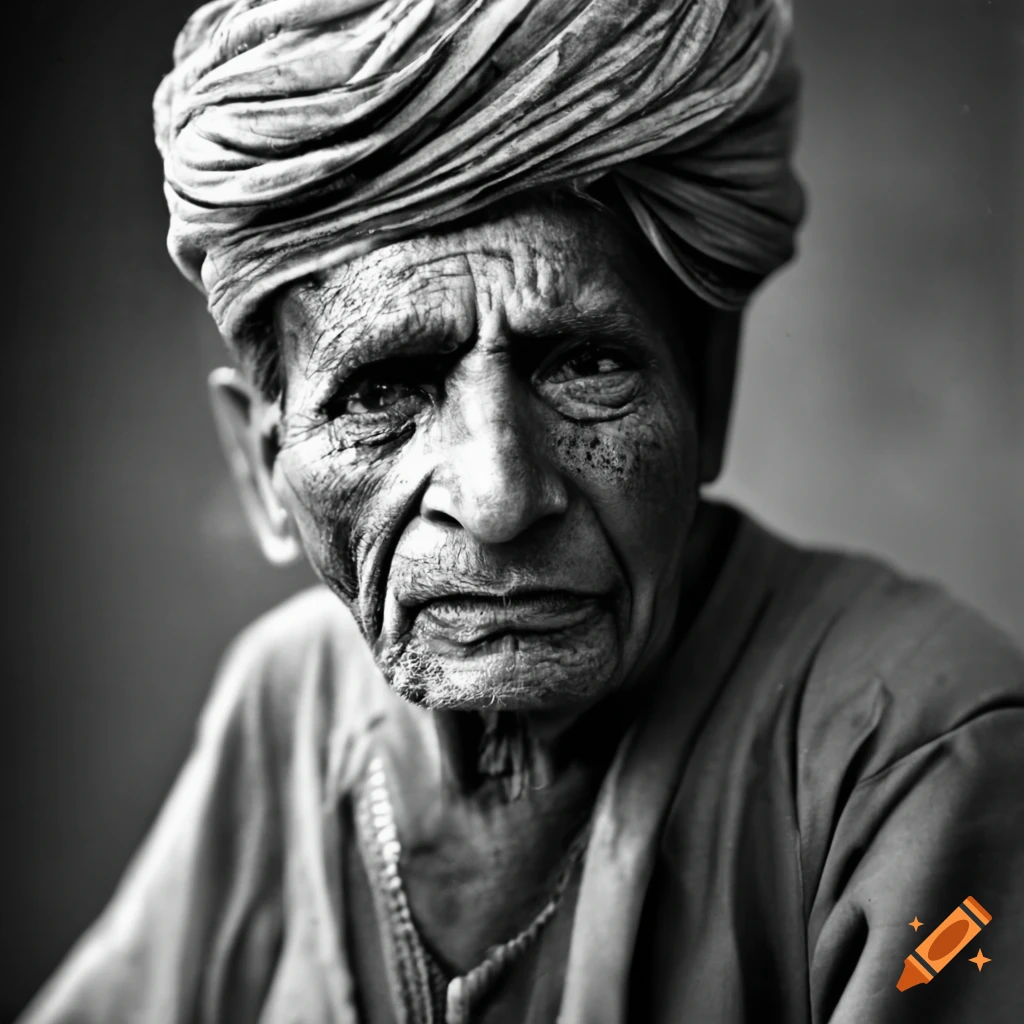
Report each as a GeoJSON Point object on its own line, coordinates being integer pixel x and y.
{"type": "Point", "coordinates": [427, 994]}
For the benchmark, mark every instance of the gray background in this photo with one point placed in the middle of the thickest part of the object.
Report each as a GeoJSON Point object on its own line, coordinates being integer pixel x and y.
{"type": "Point", "coordinates": [879, 407]}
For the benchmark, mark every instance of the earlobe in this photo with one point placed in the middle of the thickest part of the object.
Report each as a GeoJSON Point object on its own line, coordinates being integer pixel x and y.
{"type": "Point", "coordinates": [239, 412]}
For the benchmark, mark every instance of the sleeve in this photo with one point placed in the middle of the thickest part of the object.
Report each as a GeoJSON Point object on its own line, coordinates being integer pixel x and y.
{"type": "Point", "coordinates": [194, 915]}
{"type": "Point", "coordinates": [915, 839]}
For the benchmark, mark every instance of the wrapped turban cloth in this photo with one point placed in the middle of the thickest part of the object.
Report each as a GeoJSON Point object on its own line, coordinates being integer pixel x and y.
{"type": "Point", "coordinates": [297, 134]}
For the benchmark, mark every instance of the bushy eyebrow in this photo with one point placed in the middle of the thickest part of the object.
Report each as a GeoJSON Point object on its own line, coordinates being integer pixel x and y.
{"type": "Point", "coordinates": [604, 324]}
{"type": "Point", "coordinates": [345, 352]}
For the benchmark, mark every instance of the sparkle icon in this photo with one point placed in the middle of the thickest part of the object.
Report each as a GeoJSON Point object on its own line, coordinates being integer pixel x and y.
{"type": "Point", "coordinates": [915, 924]}
{"type": "Point", "coordinates": [981, 959]}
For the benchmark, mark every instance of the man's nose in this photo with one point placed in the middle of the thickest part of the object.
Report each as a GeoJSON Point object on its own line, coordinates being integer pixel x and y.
{"type": "Point", "coordinates": [493, 478]}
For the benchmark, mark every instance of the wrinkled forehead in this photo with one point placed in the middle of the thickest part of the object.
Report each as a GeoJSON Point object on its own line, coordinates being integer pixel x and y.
{"type": "Point", "coordinates": [520, 272]}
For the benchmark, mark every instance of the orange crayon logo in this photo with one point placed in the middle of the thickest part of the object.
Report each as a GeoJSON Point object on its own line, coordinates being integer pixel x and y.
{"type": "Point", "coordinates": [943, 944]}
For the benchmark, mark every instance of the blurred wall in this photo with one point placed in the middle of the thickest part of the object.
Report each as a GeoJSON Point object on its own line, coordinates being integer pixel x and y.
{"type": "Point", "coordinates": [879, 404]}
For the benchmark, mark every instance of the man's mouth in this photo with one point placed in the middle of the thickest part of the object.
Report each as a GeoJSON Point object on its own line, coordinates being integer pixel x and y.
{"type": "Point", "coordinates": [474, 619]}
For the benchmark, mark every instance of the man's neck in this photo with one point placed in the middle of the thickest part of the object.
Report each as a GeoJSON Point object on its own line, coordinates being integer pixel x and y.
{"type": "Point", "coordinates": [505, 755]}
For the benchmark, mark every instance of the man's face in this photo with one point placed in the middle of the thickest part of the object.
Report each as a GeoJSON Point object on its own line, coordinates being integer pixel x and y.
{"type": "Point", "coordinates": [490, 454]}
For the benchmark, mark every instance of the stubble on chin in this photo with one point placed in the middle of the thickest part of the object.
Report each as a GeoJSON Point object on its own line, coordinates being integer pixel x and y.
{"type": "Point", "coordinates": [536, 675]}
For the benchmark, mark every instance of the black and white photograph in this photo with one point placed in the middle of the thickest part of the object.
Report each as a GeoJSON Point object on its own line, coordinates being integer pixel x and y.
{"type": "Point", "coordinates": [514, 512]}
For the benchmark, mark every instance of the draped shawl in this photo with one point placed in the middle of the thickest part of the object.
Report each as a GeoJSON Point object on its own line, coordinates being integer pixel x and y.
{"type": "Point", "coordinates": [298, 134]}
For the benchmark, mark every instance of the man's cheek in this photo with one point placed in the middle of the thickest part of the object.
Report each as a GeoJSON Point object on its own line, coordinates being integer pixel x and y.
{"type": "Point", "coordinates": [647, 496]}
{"type": "Point", "coordinates": [659, 452]}
{"type": "Point", "coordinates": [342, 513]}
{"type": "Point", "coordinates": [639, 466]}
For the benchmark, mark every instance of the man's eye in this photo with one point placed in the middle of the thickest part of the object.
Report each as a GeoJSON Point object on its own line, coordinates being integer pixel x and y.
{"type": "Point", "coordinates": [586, 364]}
{"type": "Point", "coordinates": [368, 397]}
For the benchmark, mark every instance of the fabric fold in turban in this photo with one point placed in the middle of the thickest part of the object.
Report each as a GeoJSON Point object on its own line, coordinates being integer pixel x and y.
{"type": "Point", "coordinates": [298, 134]}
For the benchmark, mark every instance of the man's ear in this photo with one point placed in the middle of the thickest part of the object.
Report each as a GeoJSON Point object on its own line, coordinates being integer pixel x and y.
{"type": "Point", "coordinates": [243, 420]}
{"type": "Point", "coordinates": [715, 385]}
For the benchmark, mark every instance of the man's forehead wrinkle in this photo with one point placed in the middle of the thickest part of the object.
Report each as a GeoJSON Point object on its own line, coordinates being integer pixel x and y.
{"type": "Point", "coordinates": [299, 332]}
{"type": "Point", "coordinates": [505, 275]}
{"type": "Point", "coordinates": [333, 317]}
{"type": "Point", "coordinates": [339, 332]}
{"type": "Point", "coordinates": [518, 278]}
{"type": "Point", "coordinates": [311, 316]}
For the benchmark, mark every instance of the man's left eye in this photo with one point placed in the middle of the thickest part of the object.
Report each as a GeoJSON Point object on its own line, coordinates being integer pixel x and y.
{"type": "Point", "coordinates": [585, 364]}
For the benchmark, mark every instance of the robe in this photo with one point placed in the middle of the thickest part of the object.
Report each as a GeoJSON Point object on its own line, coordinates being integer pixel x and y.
{"type": "Point", "coordinates": [831, 765]}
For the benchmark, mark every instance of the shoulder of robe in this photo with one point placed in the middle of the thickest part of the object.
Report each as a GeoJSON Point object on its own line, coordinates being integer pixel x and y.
{"type": "Point", "coordinates": [307, 648]}
{"type": "Point", "coordinates": [901, 665]}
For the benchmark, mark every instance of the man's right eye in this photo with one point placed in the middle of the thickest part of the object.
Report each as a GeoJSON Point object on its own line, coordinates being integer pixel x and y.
{"type": "Point", "coordinates": [368, 397]}
{"type": "Point", "coordinates": [381, 391]}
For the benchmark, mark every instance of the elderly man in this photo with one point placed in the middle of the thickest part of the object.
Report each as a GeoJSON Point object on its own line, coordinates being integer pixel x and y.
{"type": "Point", "coordinates": [556, 739]}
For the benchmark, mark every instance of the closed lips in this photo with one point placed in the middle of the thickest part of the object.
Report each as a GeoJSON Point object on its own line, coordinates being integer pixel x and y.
{"type": "Point", "coordinates": [538, 610]}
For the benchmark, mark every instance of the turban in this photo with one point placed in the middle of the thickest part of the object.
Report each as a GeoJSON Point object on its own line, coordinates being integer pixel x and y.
{"type": "Point", "coordinates": [298, 134]}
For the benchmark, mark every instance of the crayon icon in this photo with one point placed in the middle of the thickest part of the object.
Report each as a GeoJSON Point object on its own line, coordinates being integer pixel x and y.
{"type": "Point", "coordinates": [943, 944]}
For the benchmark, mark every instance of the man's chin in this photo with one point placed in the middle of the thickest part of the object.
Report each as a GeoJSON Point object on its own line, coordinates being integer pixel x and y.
{"type": "Point", "coordinates": [509, 672]}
